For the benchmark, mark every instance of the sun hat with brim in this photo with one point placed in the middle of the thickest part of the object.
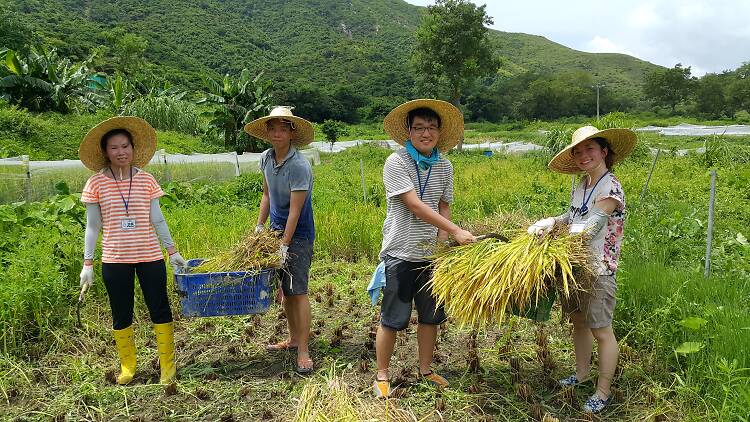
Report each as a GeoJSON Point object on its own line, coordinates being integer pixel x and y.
{"type": "Point", "coordinates": [451, 122]}
{"type": "Point", "coordinates": [302, 134]}
{"type": "Point", "coordinates": [144, 142]}
{"type": "Point", "coordinates": [621, 142]}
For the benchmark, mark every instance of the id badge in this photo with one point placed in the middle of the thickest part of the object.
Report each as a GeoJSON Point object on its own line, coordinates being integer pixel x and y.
{"type": "Point", "coordinates": [127, 224]}
{"type": "Point", "coordinates": [577, 227]}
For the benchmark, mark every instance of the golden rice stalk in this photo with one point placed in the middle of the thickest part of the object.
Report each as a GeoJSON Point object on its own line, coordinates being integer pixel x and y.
{"type": "Point", "coordinates": [256, 251]}
{"type": "Point", "coordinates": [329, 398]}
{"type": "Point", "coordinates": [479, 282]}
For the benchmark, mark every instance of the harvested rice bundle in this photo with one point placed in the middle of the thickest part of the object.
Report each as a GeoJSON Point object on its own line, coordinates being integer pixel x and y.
{"type": "Point", "coordinates": [479, 282]}
{"type": "Point", "coordinates": [256, 251]}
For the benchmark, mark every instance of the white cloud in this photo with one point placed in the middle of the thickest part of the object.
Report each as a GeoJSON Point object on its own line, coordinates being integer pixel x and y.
{"type": "Point", "coordinates": [643, 16]}
{"type": "Point", "coordinates": [600, 44]}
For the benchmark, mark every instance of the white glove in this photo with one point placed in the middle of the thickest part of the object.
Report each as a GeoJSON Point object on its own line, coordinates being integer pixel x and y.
{"type": "Point", "coordinates": [259, 228]}
{"type": "Point", "coordinates": [542, 227]}
{"type": "Point", "coordinates": [177, 262]}
{"type": "Point", "coordinates": [87, 276]}
{"type": "Point", "coordinates": [283, 252]}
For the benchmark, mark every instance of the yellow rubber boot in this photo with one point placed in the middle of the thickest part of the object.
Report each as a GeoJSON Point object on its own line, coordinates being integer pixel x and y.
{"type": "Point", "coordinates": [126, 350]}
{"type": "Point", "coordinates": [165, 345]}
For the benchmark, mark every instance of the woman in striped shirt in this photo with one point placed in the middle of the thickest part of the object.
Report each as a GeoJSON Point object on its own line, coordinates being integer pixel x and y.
{"type": "Point", "coordinates": [122, 201]}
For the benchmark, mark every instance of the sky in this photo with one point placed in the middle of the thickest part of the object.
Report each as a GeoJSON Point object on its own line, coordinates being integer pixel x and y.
{"type": "Point", "coordinates": [707, 35]}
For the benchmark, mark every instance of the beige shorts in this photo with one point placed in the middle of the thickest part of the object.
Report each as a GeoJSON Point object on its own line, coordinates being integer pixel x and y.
{"type": "Point", "coordinates": [597, 306]}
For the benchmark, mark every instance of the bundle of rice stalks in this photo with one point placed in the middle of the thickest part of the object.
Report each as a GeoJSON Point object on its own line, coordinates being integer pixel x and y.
{"type": "Point", "coordinates": [479, 282]}
{"type": "Point", "coordinates": [256, 251]}
{"type": "Point", "coordinates": [330, 398]}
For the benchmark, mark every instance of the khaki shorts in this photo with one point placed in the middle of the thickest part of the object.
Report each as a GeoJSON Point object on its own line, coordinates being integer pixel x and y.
{"type": "Point", "coordinates": [597, 306]}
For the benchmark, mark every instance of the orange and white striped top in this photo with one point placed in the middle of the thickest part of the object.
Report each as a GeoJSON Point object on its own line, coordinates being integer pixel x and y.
{"type": "Point", "coordinates": [121, 242]}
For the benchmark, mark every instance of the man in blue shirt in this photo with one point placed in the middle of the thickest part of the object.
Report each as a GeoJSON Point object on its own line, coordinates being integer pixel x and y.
{"type": "Point", "coordinates": [287, 198]}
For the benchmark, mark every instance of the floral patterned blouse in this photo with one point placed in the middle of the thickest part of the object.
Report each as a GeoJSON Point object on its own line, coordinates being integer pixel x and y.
{"type": "Point", "coordinates": [605, 245]}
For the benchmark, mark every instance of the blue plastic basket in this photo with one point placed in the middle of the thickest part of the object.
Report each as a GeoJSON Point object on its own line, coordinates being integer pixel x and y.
{"type": "Point", "coordinates": [227, 293]}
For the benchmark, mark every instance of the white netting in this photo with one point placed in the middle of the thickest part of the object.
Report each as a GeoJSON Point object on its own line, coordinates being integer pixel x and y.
{"type": "Point", "coordinates": [685, 129]}
{"type": "Point", "coordinates": [24, 180]}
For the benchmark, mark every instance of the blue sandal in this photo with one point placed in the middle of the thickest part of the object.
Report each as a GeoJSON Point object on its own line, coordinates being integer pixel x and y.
{"type": "Point", "coordinates": [568, 381]}
{"type": "Point", "coordinates": [595, 404]}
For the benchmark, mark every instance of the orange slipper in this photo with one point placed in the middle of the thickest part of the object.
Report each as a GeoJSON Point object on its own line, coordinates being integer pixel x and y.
{"type": "Point", "coordinates": [434, 378]}
{"type": "Point", "coordinates": [381, 389]}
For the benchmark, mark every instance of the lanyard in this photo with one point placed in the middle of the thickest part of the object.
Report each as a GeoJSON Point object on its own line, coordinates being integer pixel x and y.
{"type": "Point", "coordinates": [130, 188]}
{"type": "Point", "coordinates": [584, 207]}
{"type": "Point", "coordinates": [422, 188]}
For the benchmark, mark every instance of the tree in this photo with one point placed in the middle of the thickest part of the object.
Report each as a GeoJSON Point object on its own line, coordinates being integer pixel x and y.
{"type": "Point", "coordinates": [452, 47]}
{"type": "Point", "coordinates": [42, 81]}
{"type": "Point", "coordinates": [710, 99]}
{"type": "Point", "coordinates": [669, 87]}
{"type": "Point", "coordinates": [332, 130]}
{"type": "Point", "coordinates": [237, 102]}
{"type": "Point", "coordinates": [14, 33]}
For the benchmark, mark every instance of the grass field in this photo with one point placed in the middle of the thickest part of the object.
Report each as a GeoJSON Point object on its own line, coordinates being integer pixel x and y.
{"type": "Point", "coordinates": [685, 338]}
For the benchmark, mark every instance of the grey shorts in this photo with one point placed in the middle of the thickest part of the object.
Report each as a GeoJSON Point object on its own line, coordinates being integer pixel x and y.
{"type": "Point", "coordinates": [405, 282]}
{"type": "Point", "coordinates": [295, 273]}
{"type": "Point", "coordinates": [597, 306]}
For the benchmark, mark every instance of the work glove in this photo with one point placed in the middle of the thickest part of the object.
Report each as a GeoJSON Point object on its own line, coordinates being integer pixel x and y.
{"type": "Point", "coordinates": [259, 228]}
{"type": "Point", "coordinates": [87, 277]}
{"type": "Point", "coordinates": [177, 262]}
{"type": "Point", "coordinates": [542, 227]}
{"type": "Point", "coordinates": [283, 253]}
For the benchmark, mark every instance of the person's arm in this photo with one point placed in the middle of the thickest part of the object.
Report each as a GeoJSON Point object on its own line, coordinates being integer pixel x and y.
{"type": "Point", "coordinates": [599, 216]}
{"type": "Point", "coordinates": [296, 202]}
{"type": "Point", "coordinates": [429, 216]}
{"type": "Point", "coordinates": [160, 225]}
{"type": "Point", "coordinates": [265, 207]}
{"type": "Point", "coordinates": [444, 209]}
{"type": "Point", "coordinates": [93, 227]}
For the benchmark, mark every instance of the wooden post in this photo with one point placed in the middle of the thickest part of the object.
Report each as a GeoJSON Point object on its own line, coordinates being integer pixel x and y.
{"type": "Point", "coordinates": [236, 164]}
{"type": "Point", "coordinates": [650, 172]}
{"type": "Point", "coordinates": [362, 175]}
{"type": "Point", "coordinates": [27, 190]}
{"type": "Point", "coordinates": [709, 236]}
{"type": "Point", "coordinates": [167, 171]}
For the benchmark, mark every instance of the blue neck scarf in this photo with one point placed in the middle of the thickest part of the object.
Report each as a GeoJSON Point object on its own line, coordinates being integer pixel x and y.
{"type": "Point", "coordinates": [422, 161]}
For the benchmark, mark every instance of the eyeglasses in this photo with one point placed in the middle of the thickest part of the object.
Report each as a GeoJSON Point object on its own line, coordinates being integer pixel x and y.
{"type": "Point", "coordinates": [421, 130]}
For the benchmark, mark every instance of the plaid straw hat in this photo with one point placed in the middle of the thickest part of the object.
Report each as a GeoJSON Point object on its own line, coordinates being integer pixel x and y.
{"type": "Point", "coordinates": [451, 122]}
{"type": "Point", "coordinates": [144, 142]}
{"type": "Point", "coordinates": [621, 142]}
{"type": "Point", "coordinates": [302, 130]}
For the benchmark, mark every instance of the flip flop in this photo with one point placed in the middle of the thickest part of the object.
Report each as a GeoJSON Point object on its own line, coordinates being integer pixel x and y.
{"type": "Point", "coordinates": [304, 370]}
{"type": "Point", "coordinates": [280, 346]}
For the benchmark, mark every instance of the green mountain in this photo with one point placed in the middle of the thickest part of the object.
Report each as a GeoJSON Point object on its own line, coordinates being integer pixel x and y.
{"type": "Point", "coordinates": [364, 44]}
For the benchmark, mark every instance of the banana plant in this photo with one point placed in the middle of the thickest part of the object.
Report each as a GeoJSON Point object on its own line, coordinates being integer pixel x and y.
{"type": "Point", "coordinates": [42, 81]}
{"type": "Point", "coordinates": [236, 101]}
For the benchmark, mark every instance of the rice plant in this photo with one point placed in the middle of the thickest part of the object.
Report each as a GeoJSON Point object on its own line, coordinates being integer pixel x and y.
{"type": "Point", "coordinates": [479, 282]}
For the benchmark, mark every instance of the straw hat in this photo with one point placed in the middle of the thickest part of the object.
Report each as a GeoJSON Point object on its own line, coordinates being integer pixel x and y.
{"type": "Point", "coordinates": [302, 134]}
{"type": "Point", "coordinates": [144, 142]}
{"type": "Point", "coordinates": [451, 122]}
{"type": "Point", "coordinates": [621, 142]}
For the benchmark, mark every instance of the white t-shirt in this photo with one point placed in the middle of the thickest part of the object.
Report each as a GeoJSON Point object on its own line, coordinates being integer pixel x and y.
{"type": "Point", "coordinates": [404, 235]}
{"type": "Point", "coordinates": [604, 245]}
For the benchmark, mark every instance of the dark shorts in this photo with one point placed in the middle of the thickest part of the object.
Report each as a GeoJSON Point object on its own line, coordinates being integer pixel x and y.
{"type": "Point", "coordinates": [295, 274]}
{"type": "Point", "coordinates": [598, 306]}
{"type": "Point", "coordinates": [405, 282]}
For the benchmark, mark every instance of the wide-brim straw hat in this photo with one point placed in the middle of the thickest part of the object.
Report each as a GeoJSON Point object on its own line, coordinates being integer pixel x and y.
{"type": "Point", "coordinates": [451, 122]}
{"type": "Point", "coordinates": [302, 134]}
{"type": "Point", "coordinates": [621, 142]}
{"type": "Point", "coordinates": [144, 142]}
